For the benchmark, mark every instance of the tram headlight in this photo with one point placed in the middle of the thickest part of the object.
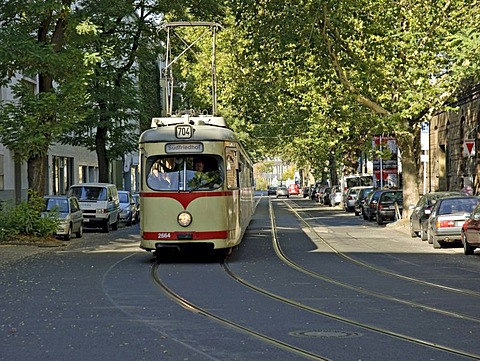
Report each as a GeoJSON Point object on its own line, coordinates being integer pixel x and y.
{"type": "Point", "coordinates": [184, 219]}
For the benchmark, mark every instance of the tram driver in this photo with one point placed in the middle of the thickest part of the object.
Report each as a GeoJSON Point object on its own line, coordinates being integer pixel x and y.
{"type": "Point", "coordinates": [202, 177]}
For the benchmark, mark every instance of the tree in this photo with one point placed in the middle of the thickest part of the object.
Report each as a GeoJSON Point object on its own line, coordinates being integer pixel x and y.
{"type": "Point", "coordinates": [126, 40]}
{"type": "Point", "coordinates": [348, 70]}
{"type": "Point", "coordinates": [34, 41]}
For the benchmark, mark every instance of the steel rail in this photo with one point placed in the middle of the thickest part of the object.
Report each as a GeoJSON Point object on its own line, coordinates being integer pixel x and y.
{"type": "Point", "coordinates": [377, 269]}
{"type": "Point", "coordinates": [201, 311]}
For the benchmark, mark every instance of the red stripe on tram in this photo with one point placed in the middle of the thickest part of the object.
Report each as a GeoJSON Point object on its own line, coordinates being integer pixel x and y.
{"type": "Point", "coordinates": [184, 198]}
{"type": "Point", "coordinates": [177, 236]}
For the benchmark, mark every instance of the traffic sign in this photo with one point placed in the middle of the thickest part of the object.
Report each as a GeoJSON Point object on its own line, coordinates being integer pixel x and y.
{"type": "Point", "coordinates": [469, 147]}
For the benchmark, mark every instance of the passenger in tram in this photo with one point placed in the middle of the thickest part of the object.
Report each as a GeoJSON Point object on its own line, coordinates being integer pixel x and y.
{"type": "Point", "coordinates": [158, 180]}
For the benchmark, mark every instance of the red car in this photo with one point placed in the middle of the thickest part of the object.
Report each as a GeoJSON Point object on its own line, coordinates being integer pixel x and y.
{"type": "Point", "coordinates": [471, 232]}
{"type": "Point", "coordinates": [293, 189]}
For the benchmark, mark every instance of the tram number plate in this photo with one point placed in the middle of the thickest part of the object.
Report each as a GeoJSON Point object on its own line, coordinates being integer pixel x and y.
{"type": "Point", "coordinates": [183, 131]}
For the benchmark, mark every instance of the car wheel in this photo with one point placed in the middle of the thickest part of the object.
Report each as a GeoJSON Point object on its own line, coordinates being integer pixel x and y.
{"type": "Point", "coordinates": [436, 243]}
{"type": "Point", "coordinates": [413, 234]}
{"type": "Point", "coordinates": [115, 225]}
{"type": "Point", "coordinates": [106, 226]}
{"type": "Point", "coordinates": [79, 233]}
{"type": "Point", "coordinates": [130, 220]}
{"type": "Point", "coordinates": [379, 219]}
{"type": "Point", "coordinates": [467, 249]}
{"type": "Point", "coordinates": [423, 233]}
{"type": "Point", "coordinates": [68, 236]}
{"type": "Point", "coordinates": [429, 237]}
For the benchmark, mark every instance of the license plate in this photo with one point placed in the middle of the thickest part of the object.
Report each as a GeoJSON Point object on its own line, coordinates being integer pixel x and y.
{"type": "Point", "coordinates": [459, 223]}
{"type": "Point", "coordinates": [391, 207]}
{"type": "Point", "coordinates": [86, 220]}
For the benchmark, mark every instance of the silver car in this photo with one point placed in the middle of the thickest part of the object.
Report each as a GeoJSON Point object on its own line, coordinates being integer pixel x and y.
{"type": "Point", "coordinates": [128, 208]}
{"type": "Point", "coordinates": [447, 218]}
{"type": "Point", "coordinates": [69, 213]}
{"type": "Point", "coordinates": [282, 192]}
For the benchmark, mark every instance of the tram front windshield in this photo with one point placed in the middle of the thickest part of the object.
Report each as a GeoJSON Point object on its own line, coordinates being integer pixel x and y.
{"type": "Point", "coordinates": [184, 172]}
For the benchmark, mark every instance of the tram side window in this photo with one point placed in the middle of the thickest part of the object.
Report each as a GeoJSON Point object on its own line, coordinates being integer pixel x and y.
{"type": "Point", "coordinates": [232, 166]}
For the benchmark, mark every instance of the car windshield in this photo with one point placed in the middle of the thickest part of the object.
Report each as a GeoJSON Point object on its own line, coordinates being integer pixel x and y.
{"type": "Point", "coordinates": [457, 205]}
{"type": "Point", "coordinates": [90, 193]}
{"type": "Point", "coordinates": [392, 197]}
{"type": "Point", "coordinates": [60, 205]}
{"type": "Point", "coordinates": [123, 197]}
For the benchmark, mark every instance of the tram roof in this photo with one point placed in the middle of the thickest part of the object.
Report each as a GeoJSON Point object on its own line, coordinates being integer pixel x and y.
{"type": "Point", "coordinates": [205, 128]}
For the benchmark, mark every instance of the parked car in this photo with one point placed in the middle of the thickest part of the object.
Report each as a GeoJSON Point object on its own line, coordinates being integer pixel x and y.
{"type": "Point", "coordinates": [389, 206]}
{"type": "Point", "coordinates": [361, 196]}
{"type": "Point", "coordinates": [271, 190]}
{"type": "Point", "coordinates": [447, 218]}
{"type": "Point", "coordinates": [421, 212]}
{"type": "Point", "coordinates": [335, 196]}
{"type": "Point", "coordinates": [69, 213]}
{"type": "Point", "coordinates": [99, 203]}
{"type": "Point", "coordinates": [306, 191]}
{"type": "Point", "coordinates": [282, 191]}
{"type": "Point", "coordinates": [351, 196]}
{"type": "Point", "coordinates": [136, 197]}
{"type": "Point", "coordinates": [293, 189]}
{"type": "Point", "coordinates": [325, 196]}
{"type": "Point", "coordinates": [471, 232]}
{"type": "Point", "coordinates": [370, 205]}
{"type": "Point", "coordinates": [128, 208]}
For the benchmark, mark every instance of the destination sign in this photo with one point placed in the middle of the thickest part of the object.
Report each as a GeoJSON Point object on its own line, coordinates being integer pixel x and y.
{"type": "Point", "coordinates": [184, 148]}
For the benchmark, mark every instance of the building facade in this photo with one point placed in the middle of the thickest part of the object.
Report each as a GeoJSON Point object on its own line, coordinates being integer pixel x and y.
{"type": "Point", "coordinates": [453, 161]}
{"type": "Point", "coordinates": [67, 165]}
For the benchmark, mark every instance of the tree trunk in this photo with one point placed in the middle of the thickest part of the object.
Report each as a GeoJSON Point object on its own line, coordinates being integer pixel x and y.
{"type": "Point", "coordinates": [37, 169]}
{"type": "Point", "coordinates": [101, 150]}
{"type": "Point", "coordinates": [406, 144]}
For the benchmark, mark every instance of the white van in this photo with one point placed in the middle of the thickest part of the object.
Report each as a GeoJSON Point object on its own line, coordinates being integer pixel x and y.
{"type": "Point", "coordinates": [99, 203]}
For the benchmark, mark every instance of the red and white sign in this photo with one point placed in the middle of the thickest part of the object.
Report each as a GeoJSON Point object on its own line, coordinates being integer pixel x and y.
{"type": "Point", "coordinates": [469, 147]}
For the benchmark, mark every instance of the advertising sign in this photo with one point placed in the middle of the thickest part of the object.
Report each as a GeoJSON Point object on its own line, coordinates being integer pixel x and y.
{"type": "Point", "coordinates": [385, 169]}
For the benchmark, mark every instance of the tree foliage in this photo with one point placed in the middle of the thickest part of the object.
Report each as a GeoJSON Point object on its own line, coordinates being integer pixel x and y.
{"type": "Point", "coordinates": [319, 78]}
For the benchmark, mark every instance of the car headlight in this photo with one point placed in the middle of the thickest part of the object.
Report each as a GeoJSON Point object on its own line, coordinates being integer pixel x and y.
{"type": "Point", "coordinates": [184, 219]}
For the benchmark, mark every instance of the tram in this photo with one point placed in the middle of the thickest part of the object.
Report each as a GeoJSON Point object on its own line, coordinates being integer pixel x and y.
{"type": "Point", "coordinates": [196, 185]}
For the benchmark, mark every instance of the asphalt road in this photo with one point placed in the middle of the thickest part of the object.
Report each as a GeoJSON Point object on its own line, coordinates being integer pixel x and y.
{"type": "Point", "coordinates": [328, 286]}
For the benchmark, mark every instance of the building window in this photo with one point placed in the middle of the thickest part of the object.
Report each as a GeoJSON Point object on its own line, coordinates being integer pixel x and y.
{"type": "Point", "coordinates": [87, 174]}
{"type": "Point", "coordinates": [62, 174]}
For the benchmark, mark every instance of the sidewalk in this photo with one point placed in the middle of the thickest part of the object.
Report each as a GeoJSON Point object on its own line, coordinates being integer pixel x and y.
{"type": "Point", "coordinates": [13, 252]}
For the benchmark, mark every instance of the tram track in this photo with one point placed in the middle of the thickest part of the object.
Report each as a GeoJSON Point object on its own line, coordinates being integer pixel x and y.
{"type": "Point", "coordinates": [192, 307]}
{"type": "Point", "coordinates": [289, 262]}
{"type": "Point", "coordinates": [341, 254]}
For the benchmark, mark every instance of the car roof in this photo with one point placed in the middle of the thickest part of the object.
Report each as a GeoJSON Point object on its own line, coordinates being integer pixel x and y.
{"type": "Point", "coordinates": [93, 184]}
{"type": "Point", "coordinates": [444, 194]}
{"type": "Point", "coordinates": [58, 196]}
{"type": "Point", "coordinates": [456, 197]}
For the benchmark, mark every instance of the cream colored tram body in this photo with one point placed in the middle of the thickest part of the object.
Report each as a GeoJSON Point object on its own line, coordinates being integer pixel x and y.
{"type": "Point", "coordinates": [182, 205]}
